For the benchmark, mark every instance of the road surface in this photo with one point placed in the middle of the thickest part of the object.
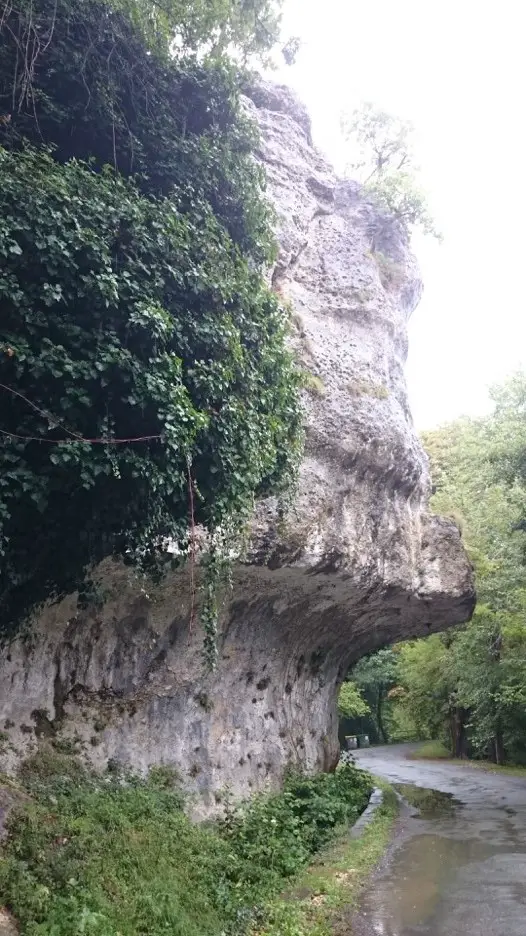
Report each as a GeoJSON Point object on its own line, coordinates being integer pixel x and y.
{"type": "Point", "coordinates": [459, 867]}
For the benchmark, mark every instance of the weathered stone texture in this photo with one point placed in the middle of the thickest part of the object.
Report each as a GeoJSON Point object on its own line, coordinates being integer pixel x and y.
{"type": "Point", "coordinates": [359, 561]}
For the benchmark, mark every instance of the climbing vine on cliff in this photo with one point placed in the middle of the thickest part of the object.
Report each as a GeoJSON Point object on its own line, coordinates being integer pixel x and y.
{"type": "Point", "coordinates": [145, 383]}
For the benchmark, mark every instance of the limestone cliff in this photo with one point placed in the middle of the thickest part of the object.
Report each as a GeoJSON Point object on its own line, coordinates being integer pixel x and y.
{"type": "Point", "coordinates": [357, 562]}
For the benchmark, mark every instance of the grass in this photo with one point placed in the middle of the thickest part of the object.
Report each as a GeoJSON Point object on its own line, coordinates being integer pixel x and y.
{"type": "Point", "coordinates": [117, 856]}
{"type": "Point", "coordinates": [511, 770]}
{"type": "Point", "coordinates": [327, 893]}
{"type": "Point", "coordinates": [431, 750]}
{"type": "Point", "coordinates": [435, 750]}
{"type": "Point", "coordinates": [367, 388]}
{"type": "Point", "coordinates": [313, 384]}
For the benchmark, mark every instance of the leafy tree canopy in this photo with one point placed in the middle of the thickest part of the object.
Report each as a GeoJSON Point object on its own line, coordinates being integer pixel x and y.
{"type": "Point", "coordinates": [351, 703]}
{"type": "Point", "coordinates": [248, 26]}
{"type": "Point", "coordinates": [468, 686]}
{"type": "Point", "coordinates": [374, 676]}
{"type": "Point", "coordinates": [383, 159]}
{"type": "Point", "coordinates": [93, 89]}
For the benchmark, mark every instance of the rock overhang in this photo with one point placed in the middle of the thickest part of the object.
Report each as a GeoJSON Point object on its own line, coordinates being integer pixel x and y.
{"type": "Point", "coordinates": [357, 562]}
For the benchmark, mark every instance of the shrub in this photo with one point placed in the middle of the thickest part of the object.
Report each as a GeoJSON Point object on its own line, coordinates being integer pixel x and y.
{"type": "Point", "coordinates": [273, 836]}
{"type": "Point", "coordinates": [116, 856]}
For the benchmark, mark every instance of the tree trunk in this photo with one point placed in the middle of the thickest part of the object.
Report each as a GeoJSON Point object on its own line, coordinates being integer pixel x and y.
{"type": "Point", "coordinates": [457, 727]}
{"type": "Point", "coordinates": [381, 729]}
{"type": "Point", "coordinates": [498, 745]}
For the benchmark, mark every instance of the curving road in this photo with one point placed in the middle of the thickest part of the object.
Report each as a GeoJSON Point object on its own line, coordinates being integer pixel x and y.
{"type": "Point", "coordinates": [459, 867]}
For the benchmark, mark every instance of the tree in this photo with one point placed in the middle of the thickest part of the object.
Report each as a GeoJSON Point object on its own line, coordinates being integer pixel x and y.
{"type": "Point", "coordinates": [469, 685]}
{"type": "Point", "coordinates": [351, 703]}
{"type": "Point", "coordinates": [384, 162]}
{"type": "Point", "coordinates": [146, 387]}
{"type": "Point", "coordinates": [290, 49]}
{"type": "Point", "coordinates": [375, 675]}
{"type": "Point", "coordinates": [508, 437]}
{"type": "Point", "coordinates": [248, 27]}
{"type": "Point", "coordinates": [174, 125]}
{"type": "Point", "coordinates": [425, 703]}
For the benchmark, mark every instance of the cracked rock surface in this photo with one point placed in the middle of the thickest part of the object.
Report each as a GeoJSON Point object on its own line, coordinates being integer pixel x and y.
{"type": "Point", "coordinates": [358, 562]}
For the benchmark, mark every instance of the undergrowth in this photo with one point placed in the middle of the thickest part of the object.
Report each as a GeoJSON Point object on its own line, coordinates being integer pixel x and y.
{"type": "Point", "coordinates": [431, 750]}
{"type": "Point", "coordinates": [435, 750]}
{"type": "Point", "coordinates": [326, 894]}
{"type": "Point", "coordinates": [117, 856]}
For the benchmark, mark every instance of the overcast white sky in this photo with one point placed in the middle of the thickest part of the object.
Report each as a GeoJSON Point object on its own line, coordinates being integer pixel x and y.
{"type": "Point", "coordinates": [455, 69]}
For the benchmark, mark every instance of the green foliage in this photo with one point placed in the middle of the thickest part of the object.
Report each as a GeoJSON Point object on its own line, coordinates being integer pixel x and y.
{"type": "Point", "coordinates": [313, 384]}
{"type": "Point", "coordinates": [381, 141]}
{"type": "Point", "coordinates": [431, 750]}
{"type": "Point", "coordinates": [375, 675]}
{"type": "Point", "coordinates": [508, 437]}
{"type": "Point", "coordinates": [250, 27]}
{"type": "Point", "coordinates": [112, 337]}
{"type": "Point", "coordinates": [131, 307]}
{"type": "Point", "coordinates": [274, 836]}
{"type": "Point", "coordinates": [399, 195]}
{"type": "Point", "coordinates": [212, 27]}
{"type": "Point", "coordinates": [424, 690]}
{"type": "Point", "coordinates": [468, 687]}
{"type": "Point", "coordinates": [291, 49]}
{"type": "Point", "coordinates": [351, 703]}
{"type": "Point", "coordinates": [106, 858]}
{"type": "Point", "coordinates": [320, 903]}
{"type": "Point", "coordinates": [97, 92]}
{"type": "Point", "coordinates": [384, 162]}
{"type": "Point", "coordinates": [114, 856]}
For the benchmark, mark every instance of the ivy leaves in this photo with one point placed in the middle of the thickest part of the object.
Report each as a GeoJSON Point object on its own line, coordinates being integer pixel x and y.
{"type": "Point", "coordinates": [143, 361]}
{"type": "Point", "coordinates": [125, 319]}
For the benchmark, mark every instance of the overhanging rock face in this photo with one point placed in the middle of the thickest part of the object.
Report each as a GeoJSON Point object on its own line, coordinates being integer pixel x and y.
{"type": "Point", "coordinates": [358, 562]}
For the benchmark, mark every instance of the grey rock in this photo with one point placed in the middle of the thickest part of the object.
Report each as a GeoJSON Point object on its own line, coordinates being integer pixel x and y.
{"type": "Point", "coordinates": [358, 562]}
{"type": "Point", "coordinates": [7, 924]}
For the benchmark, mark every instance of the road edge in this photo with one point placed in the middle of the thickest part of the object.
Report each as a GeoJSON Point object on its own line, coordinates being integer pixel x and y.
{"type": "Point", "coordinates": [375, 801]}
{"type": "Point", "coordinates": [329, 890]}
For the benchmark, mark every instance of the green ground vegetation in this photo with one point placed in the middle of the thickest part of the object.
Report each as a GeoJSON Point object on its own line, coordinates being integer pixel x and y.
{"type": "Point", "coordinates": [117, 856]}
{"type": "Point", "coordinates": [436, 750]}
{"type": "Point", "coordinates": [431, 750]}
{"type": "Point", "coordinates": [327, 892]}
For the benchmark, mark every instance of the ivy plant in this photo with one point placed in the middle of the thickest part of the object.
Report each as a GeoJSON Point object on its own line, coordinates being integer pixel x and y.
{"type": "Point", "coordinates": [145, 381]}
{"type": "Point", "coordinates": [140, 356]}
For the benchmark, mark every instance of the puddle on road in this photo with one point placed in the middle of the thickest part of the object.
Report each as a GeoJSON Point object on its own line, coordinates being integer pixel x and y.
{"type": "Point", "coordinates": [405, 902]}
{"type": "Point", "coordinates": [431, 804]}
{"type": "Point", "coordinates": [407, 899]}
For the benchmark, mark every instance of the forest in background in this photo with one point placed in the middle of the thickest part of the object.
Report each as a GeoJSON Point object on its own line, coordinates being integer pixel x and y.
{"type": "Point", "coordinates": [465, 687]}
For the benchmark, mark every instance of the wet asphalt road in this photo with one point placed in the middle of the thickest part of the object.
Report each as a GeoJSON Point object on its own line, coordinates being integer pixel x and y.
{"type": "Point", "coordinates": [457, 869]}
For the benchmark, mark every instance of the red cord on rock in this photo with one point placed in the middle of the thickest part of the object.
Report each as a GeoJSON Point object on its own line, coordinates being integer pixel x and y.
{"type": "Point", "coordinates": [192, 544]}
